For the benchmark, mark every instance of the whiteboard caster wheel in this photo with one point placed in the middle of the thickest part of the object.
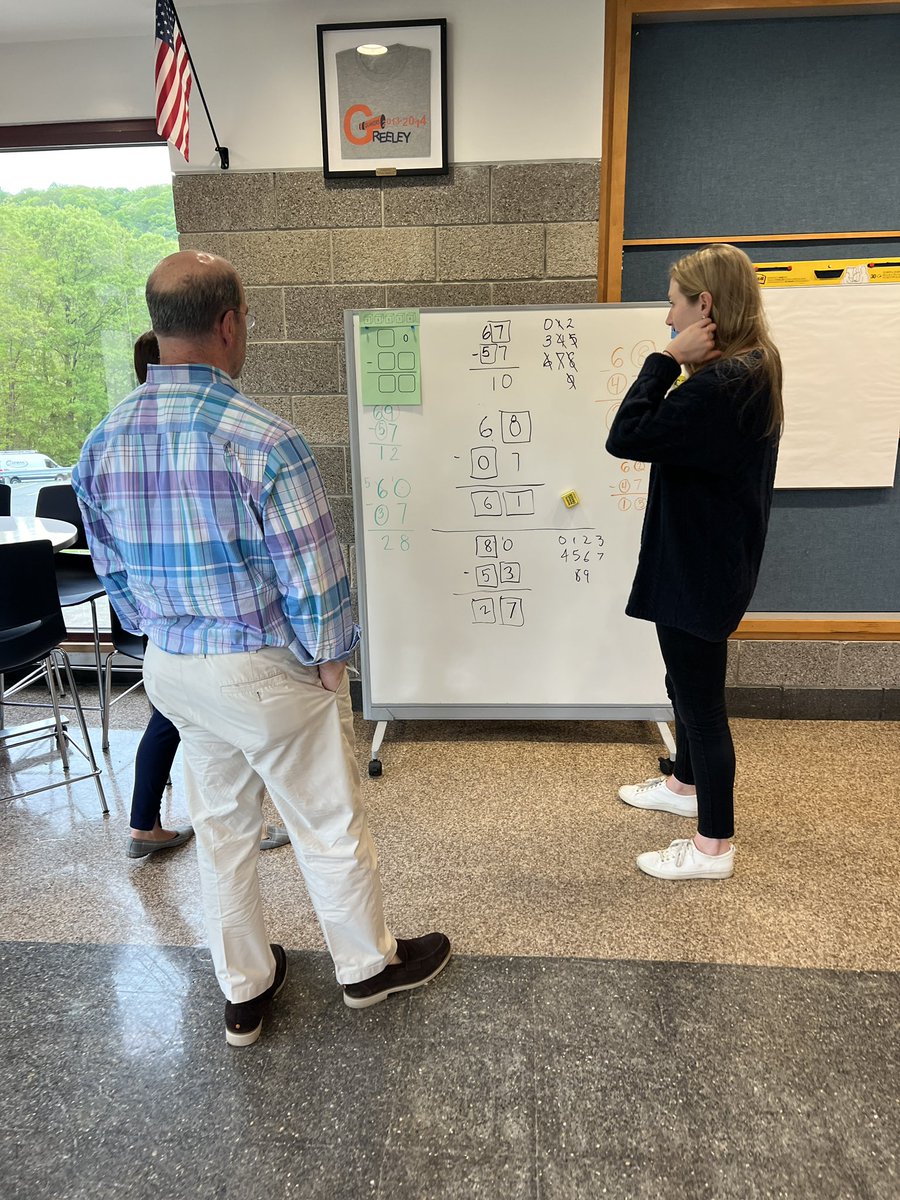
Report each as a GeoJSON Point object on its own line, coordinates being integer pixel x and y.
{"type": "Point", "coordinates": [666, 766]}
{"type": "Point", "coordinates": [375, 767]}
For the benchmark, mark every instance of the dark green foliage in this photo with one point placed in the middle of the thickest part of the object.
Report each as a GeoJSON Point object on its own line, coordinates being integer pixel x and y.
{"type": "Point", "coordinates": [143, 210]}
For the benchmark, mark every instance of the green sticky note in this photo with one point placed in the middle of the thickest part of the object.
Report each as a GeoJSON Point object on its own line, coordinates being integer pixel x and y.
{"type": "Point", "coordinates": [389, 356]}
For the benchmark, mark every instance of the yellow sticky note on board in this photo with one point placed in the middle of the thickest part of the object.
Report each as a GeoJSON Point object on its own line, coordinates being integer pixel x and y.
{"type": "Point", "coordinates": [570, 499]}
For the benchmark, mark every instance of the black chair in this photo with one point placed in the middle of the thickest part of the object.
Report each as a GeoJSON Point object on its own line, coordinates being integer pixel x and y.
{"type": "Point", "coordinates": [5, 505]}
{"type": "Point", "coordinates": [76, 578]}
{"type": "Point", "coordinates": [31, 630]}
{"type": "Point", "coordinates": [5, 502]}
{"type": "Point", "coordinates": [131, 645]}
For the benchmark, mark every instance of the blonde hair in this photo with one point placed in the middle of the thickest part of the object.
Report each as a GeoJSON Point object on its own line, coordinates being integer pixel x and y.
{"type": "Point", "coordinates": [742, 332]}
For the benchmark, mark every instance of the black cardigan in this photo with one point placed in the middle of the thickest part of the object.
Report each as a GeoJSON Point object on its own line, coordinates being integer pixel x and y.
{"type": "Point", "coordinates": [709, 496]}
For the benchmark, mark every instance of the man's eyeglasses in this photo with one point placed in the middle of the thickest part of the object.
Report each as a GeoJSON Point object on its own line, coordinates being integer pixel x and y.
{"type": "Point", "coordinates": [248, 317]}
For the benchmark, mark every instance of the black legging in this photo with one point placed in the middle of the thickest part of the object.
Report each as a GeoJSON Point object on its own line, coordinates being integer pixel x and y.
{"type": "Point", "coordinates": [695, 681]}
{"type": "Point", "coordinates": [152, 767]}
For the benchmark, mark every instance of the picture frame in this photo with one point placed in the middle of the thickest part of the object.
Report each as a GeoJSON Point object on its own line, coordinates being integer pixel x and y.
{"type": "Point", "coordinates": [384, 108]}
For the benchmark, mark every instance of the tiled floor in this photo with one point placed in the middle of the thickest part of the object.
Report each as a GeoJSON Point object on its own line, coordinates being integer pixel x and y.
{"type": "Point", "coordinates": [516, 1077]}
{"type": "Point", "coordinates": [596, 1034]}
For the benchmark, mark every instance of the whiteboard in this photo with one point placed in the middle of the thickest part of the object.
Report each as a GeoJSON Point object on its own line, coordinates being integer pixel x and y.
{"type": "Point", "coordinates": [481, 594]}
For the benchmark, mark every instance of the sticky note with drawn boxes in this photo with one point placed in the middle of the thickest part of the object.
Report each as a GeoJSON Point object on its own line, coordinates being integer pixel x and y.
{"type": "Point", "coordinates": [389, 356]}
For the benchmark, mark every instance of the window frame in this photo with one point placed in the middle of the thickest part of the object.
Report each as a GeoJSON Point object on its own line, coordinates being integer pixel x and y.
{"type": "Point", "coordinates": [69, 135]}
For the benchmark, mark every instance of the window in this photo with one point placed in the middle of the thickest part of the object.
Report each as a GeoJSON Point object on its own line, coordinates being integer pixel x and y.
{"type": "Point", "coordinates": [80, 231]}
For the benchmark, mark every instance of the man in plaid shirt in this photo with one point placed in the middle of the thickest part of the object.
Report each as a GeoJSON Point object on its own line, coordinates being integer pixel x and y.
{"type": "Point", "coordinates": [208, 523]}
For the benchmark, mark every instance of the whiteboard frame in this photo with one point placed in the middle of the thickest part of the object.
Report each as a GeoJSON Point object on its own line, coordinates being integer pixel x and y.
{"type": "Point", "coordinates": [462, 712]}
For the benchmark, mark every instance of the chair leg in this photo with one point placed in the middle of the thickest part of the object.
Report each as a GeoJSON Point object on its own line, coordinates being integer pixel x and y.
{"type": "Point", "coordinates": [89, 749]}
{"type": "Point", "coordinates": [104, 715]}
{"type": "Point", "coordinates": [61, 691]}
{"type": "Point", "coordinates": [51, 667]}
{"type": "Point", "coordinates": [61, 743]}
{"type": "Point", "coordinates": [98, 661]}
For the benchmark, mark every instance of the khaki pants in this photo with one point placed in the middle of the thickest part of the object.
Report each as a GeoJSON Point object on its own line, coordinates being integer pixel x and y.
{"type": "Point", "coordinates": [259, 721]}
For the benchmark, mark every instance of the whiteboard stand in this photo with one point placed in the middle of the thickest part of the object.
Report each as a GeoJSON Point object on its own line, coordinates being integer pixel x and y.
{"type": "Point", "coordinates": [376, 767]}
{"type": "Point", "coordinates": [667, 764]}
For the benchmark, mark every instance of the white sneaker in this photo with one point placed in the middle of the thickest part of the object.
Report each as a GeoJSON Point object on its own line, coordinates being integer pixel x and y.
{"type": "Point", "coordinates": [682, 860]}
{"type": "Point", "coordinates": [655, 794]}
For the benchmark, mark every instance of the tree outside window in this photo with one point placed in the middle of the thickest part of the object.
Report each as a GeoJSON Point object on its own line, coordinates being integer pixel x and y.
{"type": "Point", "coordinates": [74, 258]}
{"type": "Point", "coordinates": [80, 231]}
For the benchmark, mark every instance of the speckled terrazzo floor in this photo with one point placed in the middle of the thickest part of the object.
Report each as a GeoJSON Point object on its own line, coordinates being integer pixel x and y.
{"type": "Point", "coordinates": [597, 1033]}
{"type": "Point", "coordinates": [511, 838]}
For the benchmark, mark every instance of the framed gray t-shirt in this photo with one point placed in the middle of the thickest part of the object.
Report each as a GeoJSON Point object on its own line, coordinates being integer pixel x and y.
{"type": "Point", "coordinates": [385, 102]}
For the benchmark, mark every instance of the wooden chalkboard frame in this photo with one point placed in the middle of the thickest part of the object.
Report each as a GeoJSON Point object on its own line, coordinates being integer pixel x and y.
{"type": "Point", "coordinates": [620, 18]}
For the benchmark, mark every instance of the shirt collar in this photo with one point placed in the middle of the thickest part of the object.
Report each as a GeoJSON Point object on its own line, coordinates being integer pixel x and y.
{"type": "Point", "coordinates": [187, 373]}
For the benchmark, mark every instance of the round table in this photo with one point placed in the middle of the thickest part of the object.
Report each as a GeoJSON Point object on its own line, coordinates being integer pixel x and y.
{"type": "Point", "coordinates": [36, 529]}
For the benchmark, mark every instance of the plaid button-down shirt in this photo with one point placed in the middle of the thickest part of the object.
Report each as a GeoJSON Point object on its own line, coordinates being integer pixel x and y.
{"type": "Point", "coordinates": [208, 524]}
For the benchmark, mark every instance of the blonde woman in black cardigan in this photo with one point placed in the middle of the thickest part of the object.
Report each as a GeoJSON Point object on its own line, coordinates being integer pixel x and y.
{"type": "Point", "coordinates": [713, 444]}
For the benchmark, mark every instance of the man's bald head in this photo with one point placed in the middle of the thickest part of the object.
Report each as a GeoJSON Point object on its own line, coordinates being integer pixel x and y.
{"type": "Point", "coordinates": [188, 292]}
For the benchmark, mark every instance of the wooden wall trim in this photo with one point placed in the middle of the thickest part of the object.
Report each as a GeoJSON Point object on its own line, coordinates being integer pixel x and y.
{"type": "Point", "coordinates": [826, 629]}
{"type": "Point", "coordinates": [616, 82]}
{"type": "Point", "coordinates": [609, 58]}
{"type": "Point", "coordinates": [755, 629]}
{"type": "Point", "coordinates": [869, 235]}
{"type": "Point", "coordinates": [693, 9]}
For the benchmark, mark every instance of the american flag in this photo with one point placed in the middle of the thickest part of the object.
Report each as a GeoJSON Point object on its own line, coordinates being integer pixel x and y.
{"type": "Point", "coordinates": [173, 80]}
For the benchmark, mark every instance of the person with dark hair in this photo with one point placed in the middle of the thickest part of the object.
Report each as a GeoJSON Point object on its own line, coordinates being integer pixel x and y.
{"type": "Point", "coordinates": [146, 351]}
{"type": "Point", "coordinates": [208, 523]}
{"type": "Point", "coordinates": [157, 748]}
{"type": "Point", "coordinates": [713, 446]}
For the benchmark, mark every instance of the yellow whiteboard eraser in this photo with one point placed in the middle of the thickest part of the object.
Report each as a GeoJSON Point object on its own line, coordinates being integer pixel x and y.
{"type": "Point", "coordinates": [570, 499]}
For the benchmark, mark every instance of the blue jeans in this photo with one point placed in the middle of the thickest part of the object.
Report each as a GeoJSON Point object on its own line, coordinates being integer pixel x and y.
{"type": "Point", "coordinates": [695, 681]}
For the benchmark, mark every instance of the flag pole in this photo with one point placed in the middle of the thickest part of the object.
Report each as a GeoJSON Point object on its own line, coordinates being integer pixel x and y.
{"type": "Point", "coordinates": [222, 151]}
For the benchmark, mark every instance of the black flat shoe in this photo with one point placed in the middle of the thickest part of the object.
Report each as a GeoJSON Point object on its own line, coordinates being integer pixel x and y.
{"type": "Point", "coordinates": [243, 1022]}
{"type": "Point", "coordinates": [421, 959]}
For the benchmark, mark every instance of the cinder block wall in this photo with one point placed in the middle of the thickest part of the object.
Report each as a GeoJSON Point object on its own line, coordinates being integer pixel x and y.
{"type": "Point", "coordinates": [514, 233]}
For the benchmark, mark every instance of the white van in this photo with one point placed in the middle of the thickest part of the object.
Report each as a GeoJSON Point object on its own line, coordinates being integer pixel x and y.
{"type": "Point", "coordinates": [17, 466]}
